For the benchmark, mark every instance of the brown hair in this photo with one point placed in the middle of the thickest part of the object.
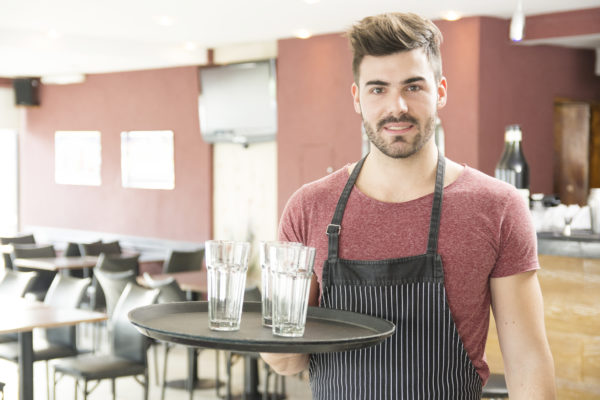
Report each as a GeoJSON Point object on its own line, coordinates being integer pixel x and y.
{"type": "Point", "coordinates": [390, 33]}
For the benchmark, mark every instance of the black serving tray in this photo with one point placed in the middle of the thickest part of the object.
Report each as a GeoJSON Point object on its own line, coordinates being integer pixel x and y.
{"type": "Point", "coordinates": [326, 330]}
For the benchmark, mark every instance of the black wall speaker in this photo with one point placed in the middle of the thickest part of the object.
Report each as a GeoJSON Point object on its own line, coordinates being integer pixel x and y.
{"type": "Point", "coordinates": [26, 91]}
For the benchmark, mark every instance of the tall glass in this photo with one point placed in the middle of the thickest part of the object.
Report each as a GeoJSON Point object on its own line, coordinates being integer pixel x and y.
{"type": "Point", "coordinates": [226, 264]}
{"type": "Point", "coordinates": [291, 272]}
{"type": "Point", "coordinates": [267, 286]}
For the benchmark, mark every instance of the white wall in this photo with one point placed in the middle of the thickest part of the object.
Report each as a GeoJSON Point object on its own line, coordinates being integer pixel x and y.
{"type": "Point", "coordinates": [245, 195]}
{"type": "Point", "coordinates": [9, 123]}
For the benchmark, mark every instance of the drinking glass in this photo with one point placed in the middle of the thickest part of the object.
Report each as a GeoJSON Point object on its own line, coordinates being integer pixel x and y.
{"type": "Point", "coordinates": [291, 271]}
{"type": "Point", "coordinates": [267, 286]}
{"type": "Point", "coordinates": [226, 264]}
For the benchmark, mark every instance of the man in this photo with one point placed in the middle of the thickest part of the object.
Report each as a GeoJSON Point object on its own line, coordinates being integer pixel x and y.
{"type": "Point", "coordinates": [422, 241]}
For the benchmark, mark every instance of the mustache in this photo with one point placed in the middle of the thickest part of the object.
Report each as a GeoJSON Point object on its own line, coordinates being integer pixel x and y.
{"type": "Point", "coordinates": [391, 119]}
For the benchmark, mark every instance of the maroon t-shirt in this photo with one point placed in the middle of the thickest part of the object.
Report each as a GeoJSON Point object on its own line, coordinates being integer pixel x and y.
{"type": "Point", "coordinates": [485, 232]}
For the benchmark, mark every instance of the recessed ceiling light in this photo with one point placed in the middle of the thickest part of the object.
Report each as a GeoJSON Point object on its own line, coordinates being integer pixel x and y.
{"type": "Point", "coordinates": [451, 15]}
{"type": "Point", "coordinates": [302, 33]}
{"type": "Point", "coordinates": [190, 46]}
{"type": "Point", "coordinates": [164, 20]}
{"type": "Point", "coordinates": [53, 34]}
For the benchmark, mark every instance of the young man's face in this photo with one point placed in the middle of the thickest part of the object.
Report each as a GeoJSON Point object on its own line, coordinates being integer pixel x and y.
{"type": "Point", "coordinates": [398, 98]}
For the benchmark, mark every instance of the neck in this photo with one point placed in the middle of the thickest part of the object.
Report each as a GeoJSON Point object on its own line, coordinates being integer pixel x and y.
{"type": "Point", "coordinates": [399, 179]}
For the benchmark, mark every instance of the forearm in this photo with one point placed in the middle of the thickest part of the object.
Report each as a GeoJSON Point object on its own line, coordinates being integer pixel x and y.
{"type": "Point", "coordinates": [532, 378]}
{"type": "Point", "coordinates": [519, 313]}
{"type": "Point", "coordinates": [286, 364]}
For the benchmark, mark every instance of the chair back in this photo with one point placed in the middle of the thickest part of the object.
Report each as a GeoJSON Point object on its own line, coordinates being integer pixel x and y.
{"type": "Point", "coordinates": [127, 342]}
{"type": "Point", "coordinates": [116, 263]}
{"type": "Point", "coordinates": [112, 285]}
{"type": "Point", "coordinates": [178, 261]}
{"type": "Point", "coordinates": [65, 292]}
{"type": "Point", "coordinates": [22, 239]}
{"type": "Point", "coordinates": [94, 249]}
{"type": "Point", "coordinates": [169, 289]}
{"type": "Point", "coordinates": [44, 278]}
{"type": "Point", "coordinates": [16, 283]}
{"type": "Point", "coordinates": [111, 263]}
{"type": "Point", "coordinates": [28, 251]}
{"type": "Point", "coordinates": [72, 250]}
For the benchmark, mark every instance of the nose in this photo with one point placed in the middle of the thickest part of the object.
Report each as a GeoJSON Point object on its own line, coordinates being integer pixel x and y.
{"type": "Point", "coordinates": [398, 105]}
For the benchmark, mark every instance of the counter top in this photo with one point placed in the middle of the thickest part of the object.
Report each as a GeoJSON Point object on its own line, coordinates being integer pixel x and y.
{"type": "Point", "coordinates": [581, 243]}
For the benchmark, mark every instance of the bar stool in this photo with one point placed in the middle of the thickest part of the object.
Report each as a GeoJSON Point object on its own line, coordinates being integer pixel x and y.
{"type": "Point", "coordinates": [495, 388]}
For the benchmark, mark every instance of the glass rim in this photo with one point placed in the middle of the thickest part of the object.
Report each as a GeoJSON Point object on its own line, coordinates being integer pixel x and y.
{"type": "Point", "coordinates": [226, 241]}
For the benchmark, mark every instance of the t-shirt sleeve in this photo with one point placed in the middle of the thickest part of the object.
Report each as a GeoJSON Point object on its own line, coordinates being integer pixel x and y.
{"type": "Point", "coordinates": [517, 250]}
{"type": "Point", "coordinates": [291, 224]}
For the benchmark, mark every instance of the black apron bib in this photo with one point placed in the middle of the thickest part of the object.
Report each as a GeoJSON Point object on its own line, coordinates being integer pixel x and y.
{"type": "Point", "coordinates": [425, 358]}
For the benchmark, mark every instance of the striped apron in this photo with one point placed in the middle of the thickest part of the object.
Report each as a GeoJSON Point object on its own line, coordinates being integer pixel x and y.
{"type": "Point", "coordinates": [425, 357]}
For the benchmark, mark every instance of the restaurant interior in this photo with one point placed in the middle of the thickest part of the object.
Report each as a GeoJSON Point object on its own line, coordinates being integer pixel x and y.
{"type": "Point", "coordinates": [133, 164]}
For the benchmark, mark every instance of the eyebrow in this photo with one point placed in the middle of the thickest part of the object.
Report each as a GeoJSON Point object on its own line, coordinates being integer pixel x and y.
{"type": "Point", "coordinates": [377, 82]}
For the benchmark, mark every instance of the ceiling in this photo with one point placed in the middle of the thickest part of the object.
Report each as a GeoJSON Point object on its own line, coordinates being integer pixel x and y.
{"type": "Point", "coordinates": [61, 37]}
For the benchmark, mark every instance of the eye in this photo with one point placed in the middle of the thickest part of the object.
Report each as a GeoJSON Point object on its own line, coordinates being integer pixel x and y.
{"type": "Point", "coordinates": [413, 88]}
{"type": "Point", "coordinates": [377, 90]}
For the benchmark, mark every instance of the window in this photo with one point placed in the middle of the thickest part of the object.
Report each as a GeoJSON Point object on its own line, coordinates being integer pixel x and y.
{"type": "Point", "coordinates": [147, 159]}
{"type": "Point", "coordinates": [77, 158]}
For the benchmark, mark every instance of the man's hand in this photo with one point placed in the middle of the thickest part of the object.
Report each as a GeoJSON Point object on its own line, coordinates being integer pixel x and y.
{"type": "Point", "coordinates": [286, 364]}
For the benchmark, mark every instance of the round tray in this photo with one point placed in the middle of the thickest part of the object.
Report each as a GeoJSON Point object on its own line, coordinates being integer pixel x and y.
{"type": "Point", "coordinates": [326, 330]}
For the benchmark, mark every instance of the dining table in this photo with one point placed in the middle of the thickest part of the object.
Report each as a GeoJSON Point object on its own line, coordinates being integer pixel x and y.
{"type": "Point", "coordinates": [21, 316]}
{"type": "Point", "coordinates": [59, 263]}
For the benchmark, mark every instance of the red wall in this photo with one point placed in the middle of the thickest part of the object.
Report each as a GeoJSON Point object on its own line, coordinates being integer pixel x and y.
{"type": "Point", "coordinates": [318, 127]}
{"type": "Point", "coordinates": [519, 84]}
{"type": "Point", "coordinates": [568, 23]}
{"type": "Point", "coordinates": [111, 103]}
{"type": "Point", "coordinates": [460, 65]}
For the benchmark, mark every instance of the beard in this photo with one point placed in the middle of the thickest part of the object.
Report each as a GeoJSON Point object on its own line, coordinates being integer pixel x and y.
{"type": "Point", "coordinates": [390, 149]}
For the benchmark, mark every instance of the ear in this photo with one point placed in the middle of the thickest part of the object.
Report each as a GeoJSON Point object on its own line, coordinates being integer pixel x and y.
{"type": "Point", "coordinates": [356, 98]}
{"type": "Point", "coordinates": [442, 93]}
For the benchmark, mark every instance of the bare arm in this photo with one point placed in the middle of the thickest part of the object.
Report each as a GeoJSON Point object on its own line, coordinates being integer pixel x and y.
{"type": "Point", "coordinates": [519, 313]}
{"type": "Point", "coordinates": [290, 364]}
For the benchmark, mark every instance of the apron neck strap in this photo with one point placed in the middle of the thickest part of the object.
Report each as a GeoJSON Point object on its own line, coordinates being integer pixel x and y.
{"type": "Point", "coordinates": [436, 208]}
{"type": "Point", "coordinates": [334, 228]}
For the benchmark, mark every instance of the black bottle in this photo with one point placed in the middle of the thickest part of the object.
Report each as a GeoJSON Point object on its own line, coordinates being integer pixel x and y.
{"type": "Point", "coordinates": [512, 167]}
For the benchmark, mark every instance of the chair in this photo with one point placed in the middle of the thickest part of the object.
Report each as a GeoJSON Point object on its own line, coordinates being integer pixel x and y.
{"type": "Point", "coordinates": [94, 249]}
{"type": "Point", "coordinates": [14, 284]}
{"type": "Point", "coordinates": [113, 284]}
{"type": "Point", "coordinates": [22, 239]}
{"type": "Point", "coordinates": [65, 292]}
{"type": "Point", "coordinates": [110, 277]}
{"type": "Point", "coordinates": [495, 388]}
{"type": "Point", "coordinates": [178, 261]}
{"type": "Point", "coordinates": [127, 355]}
{"type": "Point", "coordinates": [39, 288]}
{"type": "Point", "coordinates": [253, 294]}
{"type": "Point", "coordinates": [169, 292]}
{"type": "Point", "coordinates": [72, 250]}
{"type": "Point", "coordinates": [111, 263]}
